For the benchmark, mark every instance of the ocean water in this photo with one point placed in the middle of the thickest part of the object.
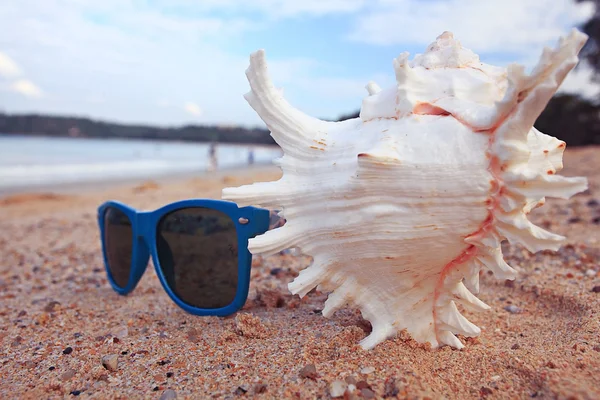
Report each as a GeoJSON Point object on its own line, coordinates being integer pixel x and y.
{"type": "Point", "coordinates": [29, 162]}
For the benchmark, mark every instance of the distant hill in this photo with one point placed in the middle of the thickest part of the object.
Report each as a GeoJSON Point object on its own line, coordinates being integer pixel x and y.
{"type": "Point", "coordinates": [45, 125]}
{"type": "Point", "coordinates": [567, 117]}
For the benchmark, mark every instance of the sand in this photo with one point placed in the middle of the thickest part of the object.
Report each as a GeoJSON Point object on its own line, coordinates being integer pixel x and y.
{"type": "Point", "coordinates": [60, 320]}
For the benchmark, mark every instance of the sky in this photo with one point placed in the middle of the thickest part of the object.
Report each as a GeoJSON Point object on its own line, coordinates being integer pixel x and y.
{"type": "Point", "coordinates": [176, 62]}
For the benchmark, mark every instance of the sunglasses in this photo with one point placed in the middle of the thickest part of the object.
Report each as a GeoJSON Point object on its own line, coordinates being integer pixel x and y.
{"type": "Point", "coordinates": [199, 248]}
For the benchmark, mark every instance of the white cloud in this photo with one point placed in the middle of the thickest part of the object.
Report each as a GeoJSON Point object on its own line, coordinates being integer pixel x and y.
{"type": "Point", "coordinates": [484, 26]}
{"type": "Point", "coordinates": [273, 9]}
{"type": "Point", "coordinates": [193, 109]}
{"type": "Point", "coordinates": [287, 8]}
{"type": "Point", "coordinates": [10, 70]}
{"type": "Point", "coordinates": [8, 67]}
{"type": "Point", "coordinates": [579, 81]}
{"type": "Point", "coordinates": [134, 63]}
{"type": "Point", "coordinates": [138, 53]}
{"type": "Point", "coordinates": [26, 88]}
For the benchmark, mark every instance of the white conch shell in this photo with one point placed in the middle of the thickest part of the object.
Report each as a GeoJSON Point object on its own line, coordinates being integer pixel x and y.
{"type": "Point", "coordinates": [402, 207]}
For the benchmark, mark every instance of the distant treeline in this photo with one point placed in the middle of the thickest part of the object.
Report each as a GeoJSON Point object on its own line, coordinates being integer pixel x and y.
{"type": "Point", "coordinates": [570, 118]}
{"type": "Point", "coordinates": [567, 117]}
{"type": "Point", "coordinates": [45, 125]}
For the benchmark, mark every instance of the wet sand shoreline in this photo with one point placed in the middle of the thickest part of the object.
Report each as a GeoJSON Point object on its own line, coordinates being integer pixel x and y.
{"type": "Point", "coordinates": [127, 182]}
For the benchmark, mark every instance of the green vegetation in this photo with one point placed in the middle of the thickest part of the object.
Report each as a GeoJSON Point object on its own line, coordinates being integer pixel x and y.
{"type": "Point", "coordinates": [45, 125]}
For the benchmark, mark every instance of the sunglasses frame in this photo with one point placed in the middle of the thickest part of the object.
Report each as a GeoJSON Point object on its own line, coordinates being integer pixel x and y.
{"type": "Point", "coordinates": [249, 222]}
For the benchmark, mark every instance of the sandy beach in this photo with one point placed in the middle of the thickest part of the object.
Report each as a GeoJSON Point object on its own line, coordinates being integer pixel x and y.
{"type": "Point", "coordinates": [60, 318]}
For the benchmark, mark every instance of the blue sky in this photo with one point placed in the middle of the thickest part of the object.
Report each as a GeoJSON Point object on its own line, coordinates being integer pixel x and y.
{"type": "Point", "coordinates": [173, 62]}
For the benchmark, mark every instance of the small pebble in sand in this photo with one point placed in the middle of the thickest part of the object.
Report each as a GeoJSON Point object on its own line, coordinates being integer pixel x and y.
{"type": "Point", "coordinates": [240, 390]}
{"type": "Point", "coordinates": [513, 309]}
{"type": "Point", "coordinates": [367, 370]}
{"type": "Point", "coordinates": [309, 371]}
{"type": "Point", "coordinates": [350, 380]}
{"type": "Point", "coordinates": [122, 332]}
{"type": "Point", "coordinates": [509, 283]}
{"type": "Point", "coordinates": [390, 388]}
{"type": "Point", "coordinates": [260, 388]}
{"type": "Point", "coordinates": [68, 350]}
{"type": "Point", "coordinates": [367, 393]}
{"type": "Point", "coordinates": [192, 335]}
{"type": "Point", "coordinates": [363, 385]}
{"type": "Point", "coordinates": [337, 388]}
{"type": "Point", "coordinates": [51, 306]}
{"type": "Point", "coordinates": [271, 298]}
{"type": "Point", "coordinates": [591, 273]}
{"type": "Point", "coordinates": [251, 326]}
{"type": "Point", "coordinates": [515, 346]}
{"type": "Point", "coordinates": [596, 289]}
{"type": "Point", "coordinates": [17, 341]}
{"type": "Point", "coordinates": [168, 394]}
{"type": "Point", "coordinates": [29, 364]}
{"type": "Point", "coordinates": [68, 374]}
{"type": "Point", "coordinates": [110, 362]}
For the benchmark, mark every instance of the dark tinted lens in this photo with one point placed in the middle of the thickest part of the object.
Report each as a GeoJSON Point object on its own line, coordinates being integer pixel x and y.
{"type": "Point", "coordinates": [198, 254]}
{"type": "Point", "coordinates": [118, 239]}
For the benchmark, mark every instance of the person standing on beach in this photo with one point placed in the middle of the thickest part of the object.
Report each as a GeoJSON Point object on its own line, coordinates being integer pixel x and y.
{"type": "Point", "coordinates": [212, 156]}
{"type": "Point", "coordinates": [250, 156]}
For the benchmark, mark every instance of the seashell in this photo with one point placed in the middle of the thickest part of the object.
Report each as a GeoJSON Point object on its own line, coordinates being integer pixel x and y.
{"type": "Point", "coordinates": [402, 207]}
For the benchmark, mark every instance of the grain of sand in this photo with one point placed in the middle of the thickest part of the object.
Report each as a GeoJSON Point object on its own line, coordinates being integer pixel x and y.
{"type": "Point", "coordinates": [65, 333]}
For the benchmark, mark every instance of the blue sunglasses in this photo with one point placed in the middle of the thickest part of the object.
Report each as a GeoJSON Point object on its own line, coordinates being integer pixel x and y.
{"type": "Point", "coordinates": [199, 248]}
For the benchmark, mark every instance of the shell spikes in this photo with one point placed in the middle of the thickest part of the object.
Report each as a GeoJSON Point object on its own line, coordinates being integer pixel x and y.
{"type": "Point", "coordinates": [403, 207]}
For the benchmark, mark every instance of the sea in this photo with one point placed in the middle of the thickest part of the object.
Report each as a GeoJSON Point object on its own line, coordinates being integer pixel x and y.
{"type": "Point", "coordinates": [30, 162]}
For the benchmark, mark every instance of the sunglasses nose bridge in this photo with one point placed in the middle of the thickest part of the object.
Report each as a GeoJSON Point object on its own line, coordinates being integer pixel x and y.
{"type": "Point", "coordinates": [144, 225]}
